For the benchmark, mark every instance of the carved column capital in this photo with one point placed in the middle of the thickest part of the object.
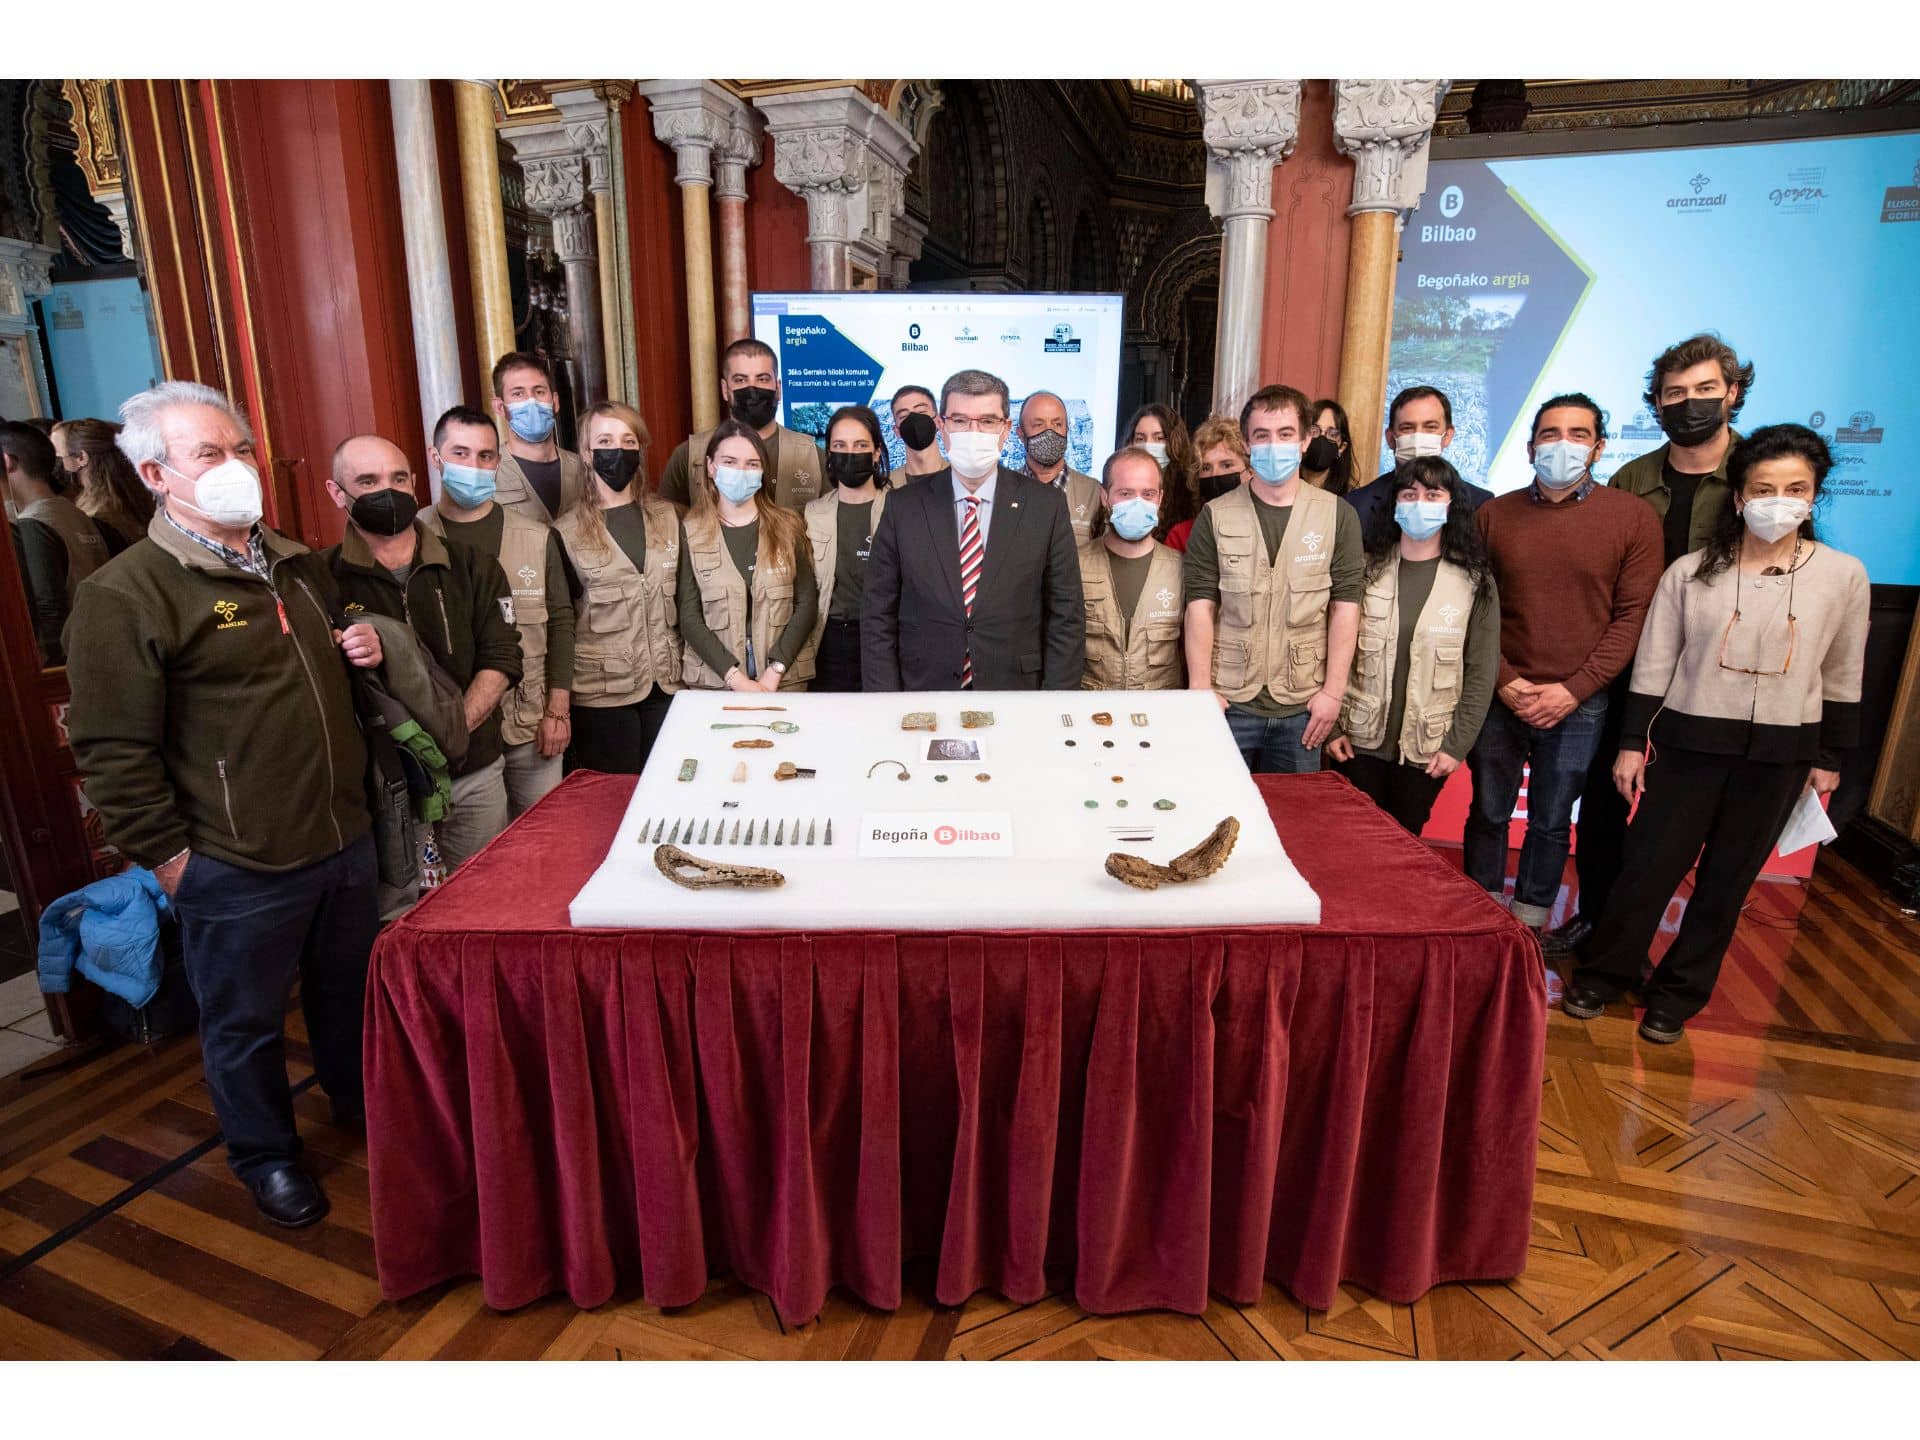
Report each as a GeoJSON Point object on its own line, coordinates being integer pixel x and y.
{"type": "Point", "coordinates": [1381, 123]}
{"type": "Point", "coordinates": [1249, 127]}
{"type": "Point", "coordinates": [739, 153]}
{"type": "Point", "coordinates": [696, 118]}
{"type": "Point", "coordinates": [848, 159]}
{"type": "Point", "coordinates": [574, 234]}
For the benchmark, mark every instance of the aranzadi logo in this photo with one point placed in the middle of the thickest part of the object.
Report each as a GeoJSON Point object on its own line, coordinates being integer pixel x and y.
{"type": "Point", "coordinates": [966, 336]}
{"type": "Point", "coordinates": [1699, 184]}
{"type": "Point", "coordinates": [227, 610]}
{"type": "Point", "coordinates": [1902, 202]}
{"type": "Point", "coordinates": [1062, 341]}
{"type": "Point", "coordinates": [1861, 429]}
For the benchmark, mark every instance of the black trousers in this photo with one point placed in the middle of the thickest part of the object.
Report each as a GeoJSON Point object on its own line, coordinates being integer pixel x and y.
{"type": "Point", "coordinates": [1406, 792]}
{"type": "Point", "coordinates": [616, 738]}
{"type": "Point", "coordinates": [1603, 814]}
{"type": "Point", "coordinates": [244, 935]}
{"type": "Point", "coordinates": [1723, 811]}
{"type": "Point", "coordinates": [836, 665]}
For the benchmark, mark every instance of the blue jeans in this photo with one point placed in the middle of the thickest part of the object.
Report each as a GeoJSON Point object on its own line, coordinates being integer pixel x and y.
{"type": "Point", "coordinates": [1558, 761]}
{"type": "Point", "coordinates": [1270, 746]}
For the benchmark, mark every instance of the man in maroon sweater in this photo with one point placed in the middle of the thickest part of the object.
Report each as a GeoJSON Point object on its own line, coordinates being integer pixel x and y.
{"type": "Point", "coordinates": [1576, 564]}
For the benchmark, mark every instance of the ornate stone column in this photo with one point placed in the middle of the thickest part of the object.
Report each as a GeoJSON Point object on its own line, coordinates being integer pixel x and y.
{"type": "Point", "coordinates": [695, 117]}
{"type": "Point", "coordinates": [25, 276]}
{"type": "Point", "coordinates": [1249, 127]}
{"type": "Point", "coordinates": [732, 160]}
{"type": "Point", "coordinates": [909, 236]}
{"type": "Point", "coordinates": [1384, 125]}
{"type": "Point", "coordinates": [486, 220]}
{"type": "Point", "coordinates": [848, 159]}
{"type": "Point", "coordinates": [436, 345]}
{"type": "Point", "coordinates": [566, 162]}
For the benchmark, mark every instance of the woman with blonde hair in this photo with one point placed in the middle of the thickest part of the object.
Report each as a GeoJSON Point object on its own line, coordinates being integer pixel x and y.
{"type": "Point", "coordinates": [110, 490]}
{"type": "Point", "coordinates": [621, 541]}
{"type": "Point", "coordinates": [1220, 462]}
{"type": "Point", "coordinates": [748, 598]}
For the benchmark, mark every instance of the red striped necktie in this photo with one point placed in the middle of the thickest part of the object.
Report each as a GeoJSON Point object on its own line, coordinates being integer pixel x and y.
{"type": "Point", "coordinates": [972, 553]}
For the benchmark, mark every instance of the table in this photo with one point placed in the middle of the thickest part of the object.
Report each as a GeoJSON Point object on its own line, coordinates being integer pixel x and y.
{"type": "Point", "coordinates": [1161, 1114]}
{"type": "Point", "coordinates": [943, 849]}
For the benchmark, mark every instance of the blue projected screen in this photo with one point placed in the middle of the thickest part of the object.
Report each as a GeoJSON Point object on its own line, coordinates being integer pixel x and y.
{"type": "Point", "coordinates": [1526, 277]}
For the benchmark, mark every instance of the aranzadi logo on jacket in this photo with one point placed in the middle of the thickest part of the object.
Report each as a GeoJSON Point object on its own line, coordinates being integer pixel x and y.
{"type": "Point", "coordinates": [227, 610]}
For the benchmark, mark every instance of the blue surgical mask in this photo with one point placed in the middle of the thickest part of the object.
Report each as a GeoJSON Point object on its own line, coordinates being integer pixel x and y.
{"type": "Point", "coordinates": [737, 485]}
{"type": "Point", "coordinates": [532, 420]}
{"type": "Point", "coordinates": [468, 486]}
{"type": "Point", "coordinates": [1276, 463]}
{"type": "Point", "coordinates": [1561, 464]}
{"type": "Point", "coordinates": [1134, 519]}
{"type": "Point", "coordinates": [1155, 448]}
{"type": "Point", "coordinates": [1420, 519]}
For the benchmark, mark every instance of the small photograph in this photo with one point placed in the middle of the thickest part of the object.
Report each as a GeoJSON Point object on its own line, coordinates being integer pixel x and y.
{"type": "Point", "coordinates": [953, 750]}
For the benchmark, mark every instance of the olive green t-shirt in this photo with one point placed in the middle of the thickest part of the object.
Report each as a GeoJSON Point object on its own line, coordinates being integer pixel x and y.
{"type": "Point", "coordinates": [743, 544]}
{"type": "Point", "coordinates": [1348, 569]}
{"type": "Point", "coordinates": [1129, 579]}
{"type": "Point", "coordinates": [853, 540]}
{"type": "Point", "coordinates": [1480, 666]}
{"type": "Point", "coordinates": [484, 535]}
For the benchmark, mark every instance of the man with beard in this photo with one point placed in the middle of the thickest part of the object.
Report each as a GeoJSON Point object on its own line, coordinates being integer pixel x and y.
{"type": "Point", "coordinates": [750, 384]}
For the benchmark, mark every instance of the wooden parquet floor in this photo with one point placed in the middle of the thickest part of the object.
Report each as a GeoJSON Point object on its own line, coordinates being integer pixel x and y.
{"type": "Point", "coordinates": [1753, 1192]}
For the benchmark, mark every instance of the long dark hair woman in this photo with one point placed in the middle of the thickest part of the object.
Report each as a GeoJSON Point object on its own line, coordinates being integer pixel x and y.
{"type": "Point", "coordinates": [1163, 435]}
{"type": "Point", "coordinates": [1328, 459]}
{"type": "Point", "coordinates": [1745, 695]}
{"type": "Point", "coordinates": [110, 490]}
{"type": "Point", "coordinates": [840, 526]}
{"type": "Point", "coordinates": [1428, 655]}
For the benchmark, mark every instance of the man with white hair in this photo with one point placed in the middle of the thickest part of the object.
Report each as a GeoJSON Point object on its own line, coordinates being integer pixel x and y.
{"type": "Point", "coordinates": [214, 722]}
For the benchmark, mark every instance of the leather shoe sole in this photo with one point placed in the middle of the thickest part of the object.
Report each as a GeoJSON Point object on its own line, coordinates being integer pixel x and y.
{"type": "Point", "coordinates": [289, 1198]}
{"type": "Point", "coordinates": [1658, 1030]}
{"type": "Point", "coordinates": [1582, 1003]}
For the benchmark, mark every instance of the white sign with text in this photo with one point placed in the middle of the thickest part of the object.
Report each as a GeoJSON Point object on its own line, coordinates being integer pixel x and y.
{"type": "Point", "coordinates": [948, 834]}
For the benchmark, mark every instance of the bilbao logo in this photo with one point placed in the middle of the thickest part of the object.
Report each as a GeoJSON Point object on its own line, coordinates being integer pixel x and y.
{"type": "Point", "coordinates": [913, 344]}
{"type": "Point", "coordinates": [945, 835]}
{"type": "Point", "coordinates": [1452, 201]}
{"type": "Point", "coordinates": [913, 332]}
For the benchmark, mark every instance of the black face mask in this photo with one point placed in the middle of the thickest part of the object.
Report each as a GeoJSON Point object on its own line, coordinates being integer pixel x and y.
{"type": "Point", "coordinates": [1321, 455]}
{"type": "Point", "coordinates": [917, 432]}
{"type": "Point", "coordinates": [616, 468]}
{"type": "Point", "coordinates": [384, 512]}
{"type": "Point", "coordinates": [1693, 422]}
{"type": "Point", "coordinates": [849, 468]}
{"type": "Point", "coordinates": [752, 405]}
{"type": "Point", "coordinates": [1212, 487]}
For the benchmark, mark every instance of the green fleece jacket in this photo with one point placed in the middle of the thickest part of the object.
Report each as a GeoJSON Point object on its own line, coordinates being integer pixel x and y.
{"type": "Point", "coordinates": [459, 604]}
{"type": "Point", "coordinates": [212, 709]}
{"type": "Point", "coordinates": [1646, 476]}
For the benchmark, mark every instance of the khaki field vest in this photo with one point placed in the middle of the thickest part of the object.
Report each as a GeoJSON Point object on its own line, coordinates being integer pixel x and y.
{"type": "Point", "coordinates": [1434, 663]}
{"type": "Point", "coordinates": [797, 472]}
{"type": "Point", "coordinates": [514, 492]}
{"type": "Point", "coordinates": [1271, 629]}
{"type": "Point", "coordinates": [626, 633]}
{"type": "Point", "coordinates": [723, 604]}
{"type": "Point", "coordinates": [1083, 503]}
{"type": "Point", "coordinates": [1145, 656]}
{"type": "Point", "coordinates": [86, 551]}
{"type": "Point", "coordinates": [523, 555]}
{"type": "Point", "coordinates": [823, 534]}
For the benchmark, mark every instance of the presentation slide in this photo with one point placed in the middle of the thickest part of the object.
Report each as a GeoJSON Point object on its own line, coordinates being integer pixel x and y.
{"type": "Point", "coordinates": [858, 348]}
{"type": "Point", "coordinates": [1526, 277]}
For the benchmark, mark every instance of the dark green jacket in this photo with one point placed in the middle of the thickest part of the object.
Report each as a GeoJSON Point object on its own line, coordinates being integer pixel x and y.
{"type": "Point", "coordinates": [459, 604]}
{"type": "Point", "coordinates": [199, 720]}
{"type": "Point", "coordinates": [1645, 476]}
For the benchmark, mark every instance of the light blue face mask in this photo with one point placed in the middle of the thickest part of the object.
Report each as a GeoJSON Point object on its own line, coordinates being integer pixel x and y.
{"type": "Point", "coordinates": [531, 420]}
{"type": "Point", "coordinates": [1276, 463]}
{"type": "Point", "coordinates": [1420, 519]}
{"type": "Point", "coordinates": [1155, 448]}
{"type": "Point", "coordinates": [468, 486]}
{"type": "Point", "coordinates": [1134, 519]}
{"type": "Point", "coordinates": [1561, 464]}
{"type": "Point", "coordinates": [735, 484]}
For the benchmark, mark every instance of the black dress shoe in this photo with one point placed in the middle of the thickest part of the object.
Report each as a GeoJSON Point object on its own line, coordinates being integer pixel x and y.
{"type": "Point", "coordinates": [1584, 1000]}
{"type": "Point", "coordinates": [1568, 937]}
{"type": "Point", "coordinates": [1659, 1029]}
{"type": "Point", "coordinates": [288, 1196]}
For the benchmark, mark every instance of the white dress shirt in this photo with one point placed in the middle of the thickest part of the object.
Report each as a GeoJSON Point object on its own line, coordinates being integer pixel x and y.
{"type": "Point", "coordinates": [984, 495]}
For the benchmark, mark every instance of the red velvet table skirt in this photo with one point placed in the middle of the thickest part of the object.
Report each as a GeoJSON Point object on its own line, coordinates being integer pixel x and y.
{"type": "Point", "coordinates": [1159, 1114]}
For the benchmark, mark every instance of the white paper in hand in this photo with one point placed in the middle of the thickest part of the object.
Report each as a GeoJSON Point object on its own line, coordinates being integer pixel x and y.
{"type": "Point", "coordinates": [1807, 825]}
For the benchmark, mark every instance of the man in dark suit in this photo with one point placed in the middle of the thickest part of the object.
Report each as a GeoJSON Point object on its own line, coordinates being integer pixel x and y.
{"type": "Point", "coordinates": [973, 581]}
{"type": "Point", "coordinates": [1419, 422]}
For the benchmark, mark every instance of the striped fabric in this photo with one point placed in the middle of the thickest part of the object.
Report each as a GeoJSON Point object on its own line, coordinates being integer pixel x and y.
{"type": "Point", "coordinates": [972, 553]}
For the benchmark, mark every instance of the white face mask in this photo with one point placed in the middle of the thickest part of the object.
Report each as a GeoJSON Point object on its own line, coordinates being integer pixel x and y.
{"type": "Point", "coordinates": [1772, 516]}
{"type": "Point", "coordinates": [972, 453]}
{"type": "Point", "coordinates": [228, 494]}
{"type": "Point", "coordinates": [1155, 448]}
{"type": "Point", "coordinates": [1416, 445]}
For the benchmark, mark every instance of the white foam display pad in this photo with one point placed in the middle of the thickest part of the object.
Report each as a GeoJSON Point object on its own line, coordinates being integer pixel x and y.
{"type": "Point", "coordinates": [1020, 850]}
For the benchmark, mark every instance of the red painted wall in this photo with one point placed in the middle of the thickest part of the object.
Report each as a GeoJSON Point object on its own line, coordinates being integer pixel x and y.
{"type": "Point", "coordinates": [659, 284]}
{"type": "Point", "coordinates": [319, 213]}
{"type": "Point", "coordinates": [777, 257]}
{"type": "Point", "coordinates": [1307, 255]}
